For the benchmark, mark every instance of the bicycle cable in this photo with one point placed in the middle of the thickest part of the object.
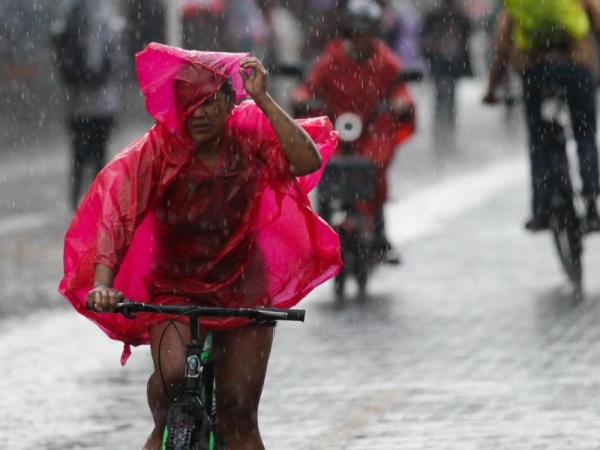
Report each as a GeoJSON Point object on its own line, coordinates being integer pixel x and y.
{"type": "Point", "coordinates": [160, 369]}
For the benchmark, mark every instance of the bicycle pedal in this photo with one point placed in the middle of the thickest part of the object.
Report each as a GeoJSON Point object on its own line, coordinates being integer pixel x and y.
{"type": "Point", "coordinates": [392, 261]}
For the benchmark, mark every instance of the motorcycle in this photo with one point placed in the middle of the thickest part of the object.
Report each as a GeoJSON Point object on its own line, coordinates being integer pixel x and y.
{"type": "Point", "coordinates": [347, 193]}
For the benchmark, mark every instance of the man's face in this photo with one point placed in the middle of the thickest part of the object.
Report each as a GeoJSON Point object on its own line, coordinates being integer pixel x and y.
{"type": "Point", "coordinates": [208, 121]}
{"type": "Point", "coordinates": [362, 44]}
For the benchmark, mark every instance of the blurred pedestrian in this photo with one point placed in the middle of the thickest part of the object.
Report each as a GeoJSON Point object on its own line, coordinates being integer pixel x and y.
{"type": "Point", "coordinates": [283, 50]}
{"type": "Point", "coordinates": [406, 41]}
{"type": "Point", "coordinates": [86, 37]}
{"type": "Point", "coordinates": [146, 22]}
{"type": "Point", "coordinates": [203, 24]}
{"type": "Point", "coordinates": [445, 46]}
{"type": "Point", "coordinates": [321, 21]}
{"type": "Point", "coordinates": [246, 28]}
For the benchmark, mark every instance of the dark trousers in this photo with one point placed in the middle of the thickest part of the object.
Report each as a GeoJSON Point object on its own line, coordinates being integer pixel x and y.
{"type": "Point", "coordinates": [580, 91]}
{"type": "Point", "coordinates": [444, 125]}
{"type": "Point", "coordinates": [445, 101]}
{"type": "Point", "coordinates": [89, 136]}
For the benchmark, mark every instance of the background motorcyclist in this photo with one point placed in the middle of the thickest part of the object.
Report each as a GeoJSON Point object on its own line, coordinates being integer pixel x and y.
{"type": "Point", "coordinates": [360, 74]}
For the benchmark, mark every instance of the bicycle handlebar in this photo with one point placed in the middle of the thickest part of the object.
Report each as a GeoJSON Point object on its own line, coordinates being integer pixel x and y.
{"type": "Point", "coordinates": [127, 308]}
{"type": "Point", "coordinates": [409, 76]}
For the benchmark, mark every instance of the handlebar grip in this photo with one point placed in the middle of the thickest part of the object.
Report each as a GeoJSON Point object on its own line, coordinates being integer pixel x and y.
{"type": "Point", "coordinates": [410, 75]}
{"type": "Point", "coordinates": [296, 314]}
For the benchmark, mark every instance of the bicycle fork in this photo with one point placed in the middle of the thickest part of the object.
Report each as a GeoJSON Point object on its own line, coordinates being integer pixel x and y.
{"type": "Point", "coordinates": [199, 380]}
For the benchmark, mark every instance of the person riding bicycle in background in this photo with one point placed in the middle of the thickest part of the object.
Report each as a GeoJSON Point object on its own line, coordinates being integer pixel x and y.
{"type": "Point", "coordinates": [205, 209]}
{"type": "Point", "coordinates": [359, 74]}
{"type": "Point", "coordinates": [553, 43]}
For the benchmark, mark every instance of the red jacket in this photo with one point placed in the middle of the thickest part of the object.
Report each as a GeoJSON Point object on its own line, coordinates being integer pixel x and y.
{"type": "Point", "coordinates": [344, 84]}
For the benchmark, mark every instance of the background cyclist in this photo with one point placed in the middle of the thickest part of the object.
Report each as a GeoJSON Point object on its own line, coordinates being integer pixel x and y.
{"type": "Point", "coordinates": [553, 49]}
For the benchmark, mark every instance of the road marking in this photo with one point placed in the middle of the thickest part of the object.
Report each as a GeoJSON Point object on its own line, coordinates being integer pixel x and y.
{"type": "Point", "coordinates": [427, 210]}
{"type": "Point", "coordinates": [343, 433]}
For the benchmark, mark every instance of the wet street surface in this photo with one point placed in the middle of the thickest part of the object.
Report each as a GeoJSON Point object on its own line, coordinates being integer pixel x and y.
{"type": "Point", "coordinates": [473, 343]}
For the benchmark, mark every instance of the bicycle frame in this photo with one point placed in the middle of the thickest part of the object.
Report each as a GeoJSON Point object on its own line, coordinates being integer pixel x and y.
{"type": "Point", "coordinates": [198, 398]}
{"type": "Point", "coordinates": [192, 421]}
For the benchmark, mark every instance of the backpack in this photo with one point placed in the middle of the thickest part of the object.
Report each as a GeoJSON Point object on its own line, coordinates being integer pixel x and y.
{"type": "Point", "coordinates": [547, 24]}
{"type": "Point", "coordinates": [69, 53]}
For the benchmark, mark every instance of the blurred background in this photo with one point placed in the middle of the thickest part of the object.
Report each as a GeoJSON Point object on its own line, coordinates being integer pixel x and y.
{"type": "Point", "coordinates": [472, 343]}
{"type": "Point", "coordinates": [31, 89]}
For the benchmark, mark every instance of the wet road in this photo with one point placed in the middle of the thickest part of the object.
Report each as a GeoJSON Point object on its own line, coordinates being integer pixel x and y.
{"type": "Point", "coordinates": [474, 343]}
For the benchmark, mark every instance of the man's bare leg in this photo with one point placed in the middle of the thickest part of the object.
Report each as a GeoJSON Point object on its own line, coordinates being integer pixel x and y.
{"type": "Point", "coordinates": [172, 361]}
{"type": "Point", "coordinates": [242, 357]}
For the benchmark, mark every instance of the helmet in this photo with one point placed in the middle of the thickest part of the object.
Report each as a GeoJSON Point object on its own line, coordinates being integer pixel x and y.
{"type": "Point", "coordinates": [362, 16]}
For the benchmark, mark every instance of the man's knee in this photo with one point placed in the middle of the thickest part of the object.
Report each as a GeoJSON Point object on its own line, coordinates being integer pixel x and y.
{"type": "Point", "coordinates": [168, 385]}
{"type": "Point", "coordinates": [237, 414]}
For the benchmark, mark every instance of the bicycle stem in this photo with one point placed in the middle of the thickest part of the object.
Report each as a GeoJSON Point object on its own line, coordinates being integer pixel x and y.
{"type": "Point", "coordinates": [193, 368]}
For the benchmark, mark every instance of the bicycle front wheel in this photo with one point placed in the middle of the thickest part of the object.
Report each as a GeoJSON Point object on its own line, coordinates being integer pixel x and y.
{"type": "Point", "coordinates": [186, 431]}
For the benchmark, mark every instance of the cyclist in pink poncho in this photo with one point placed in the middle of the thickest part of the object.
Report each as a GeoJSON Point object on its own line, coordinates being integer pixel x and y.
{"type": "Point", "coordinates": [204, 209]}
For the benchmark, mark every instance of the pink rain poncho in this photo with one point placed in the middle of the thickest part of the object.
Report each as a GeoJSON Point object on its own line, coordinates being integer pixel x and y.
{"type": "Point", "coordinates": [176, 233]}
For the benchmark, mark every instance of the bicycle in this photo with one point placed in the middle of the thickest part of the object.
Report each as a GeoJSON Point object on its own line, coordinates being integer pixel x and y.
{"type": "Point", "coordinates": [192, 421]}
{"type": "Point", "coordinates": [567, 222]}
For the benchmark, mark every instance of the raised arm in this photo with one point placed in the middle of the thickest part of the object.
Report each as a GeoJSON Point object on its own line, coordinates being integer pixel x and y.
{"type": "Point", "coordinates": [299, 148]}
{"type": "Point", "coordinates": [593, 9]}
{"type": "Point", "coordinates": [502, 48]}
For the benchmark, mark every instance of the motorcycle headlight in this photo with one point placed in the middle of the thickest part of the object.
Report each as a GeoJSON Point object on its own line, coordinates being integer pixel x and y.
{"type": "Point", "coordinates": [349, 125]}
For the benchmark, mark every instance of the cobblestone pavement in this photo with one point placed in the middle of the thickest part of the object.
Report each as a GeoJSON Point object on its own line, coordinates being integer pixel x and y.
{"type": "Point", "coordinates": [474, 343]}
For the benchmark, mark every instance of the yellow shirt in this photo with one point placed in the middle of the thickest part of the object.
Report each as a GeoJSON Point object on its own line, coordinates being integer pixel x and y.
{"type": "Point", "coordinates": [583, 52]}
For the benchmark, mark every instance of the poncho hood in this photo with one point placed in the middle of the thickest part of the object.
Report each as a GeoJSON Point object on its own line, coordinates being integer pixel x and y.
{"type": "Point", "coordinates": [197, 75]}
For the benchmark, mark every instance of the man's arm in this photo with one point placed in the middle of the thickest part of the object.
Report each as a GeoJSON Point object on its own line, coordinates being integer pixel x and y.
{"type": "Point", "coordinates": [121, 194]}
{"type": "Point", "coordinates": [593, 9]}
{"type": "Point", "coordinates": [502, 48]}
{"type": "Point", "coordinates": [299, 148]}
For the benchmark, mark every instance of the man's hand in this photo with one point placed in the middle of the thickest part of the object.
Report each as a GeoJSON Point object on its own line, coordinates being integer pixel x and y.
{"type": "Point", "coordinates": [256, 82]}
{"type": "Point", "coordinates": [490, 98]}
{"type": "Point", "coordinates": [103, 299]}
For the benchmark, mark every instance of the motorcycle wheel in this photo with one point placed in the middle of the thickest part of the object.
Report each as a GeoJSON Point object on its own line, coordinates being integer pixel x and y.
{"type": "Point", "coordinates": [362, 278]}
{"type": "Point", "coordinates": [339, 285]}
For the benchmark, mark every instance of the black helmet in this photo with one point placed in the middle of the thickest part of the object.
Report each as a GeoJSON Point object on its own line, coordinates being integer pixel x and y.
{"type": "Point", "coordinates": [362, 16]}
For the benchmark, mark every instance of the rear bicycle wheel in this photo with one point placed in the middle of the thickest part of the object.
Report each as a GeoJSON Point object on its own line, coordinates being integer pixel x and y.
{"type": "Point", "coordinates": [568, 240]}
{"type": "Point", "coordinates": [565, 223]}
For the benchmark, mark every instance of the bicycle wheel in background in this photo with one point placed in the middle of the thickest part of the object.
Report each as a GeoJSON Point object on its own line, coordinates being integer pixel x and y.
{"type": "Point", "coordinates": [565, 223]}
{"type": "Point", "coordinates": [569, 246]}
